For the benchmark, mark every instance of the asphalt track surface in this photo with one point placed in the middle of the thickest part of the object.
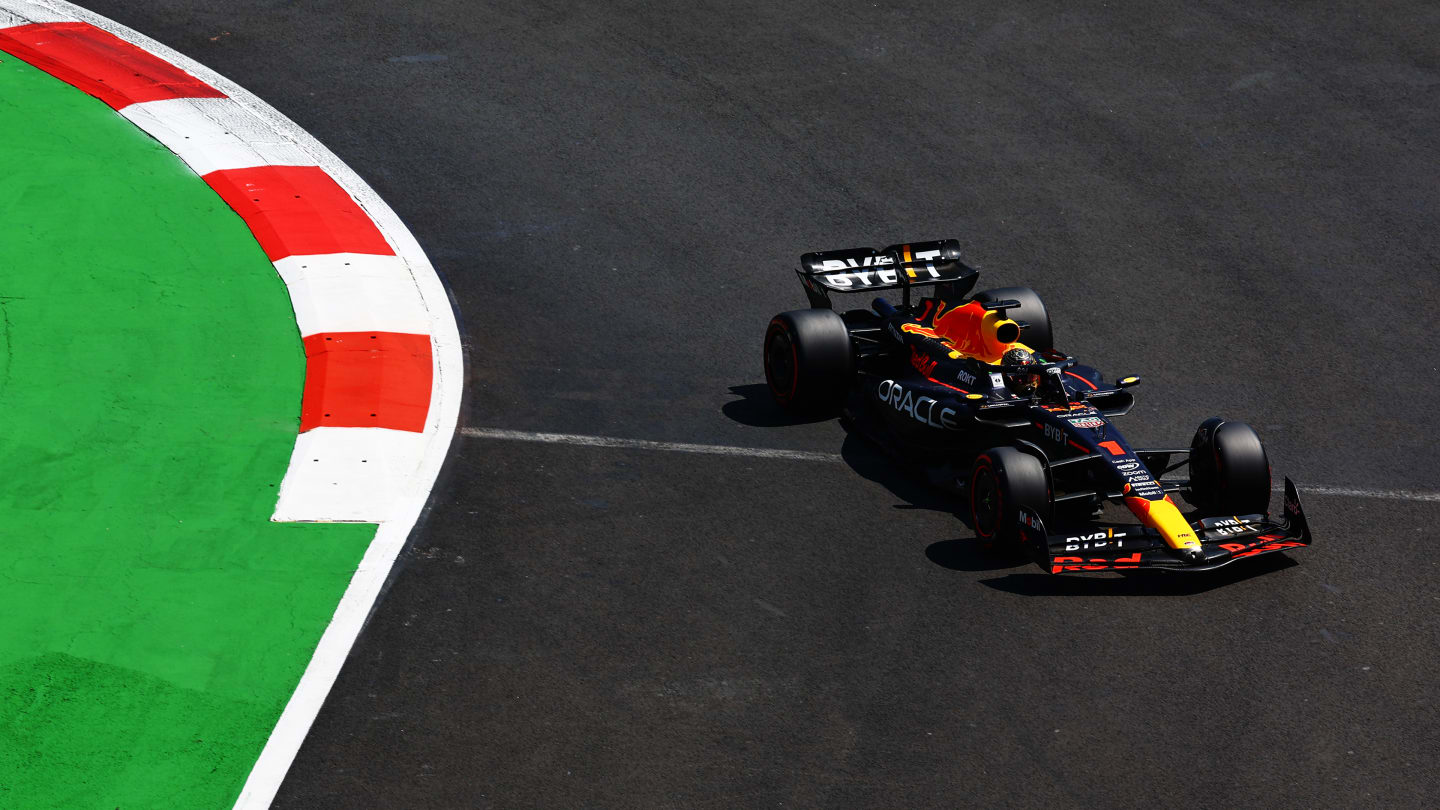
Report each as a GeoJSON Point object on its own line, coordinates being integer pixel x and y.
{"type": "Point", "coordinates": [1238, 204]}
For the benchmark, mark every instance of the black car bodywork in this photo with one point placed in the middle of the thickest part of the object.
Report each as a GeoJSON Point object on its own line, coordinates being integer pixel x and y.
{"type": "Point", "coordinates": [951, 413]}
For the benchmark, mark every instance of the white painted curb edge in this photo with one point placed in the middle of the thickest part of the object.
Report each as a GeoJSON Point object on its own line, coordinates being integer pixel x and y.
{"type": "Point", "coordinates": [359, 597]}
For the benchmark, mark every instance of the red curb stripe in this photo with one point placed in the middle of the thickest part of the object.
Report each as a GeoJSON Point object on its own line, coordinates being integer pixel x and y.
{"type": "Point", "coordinates": [101, 64]}
{"type": "Point", "coordinates": [298, 211]}
{"type": "Point", "coordinates": [366, 379]}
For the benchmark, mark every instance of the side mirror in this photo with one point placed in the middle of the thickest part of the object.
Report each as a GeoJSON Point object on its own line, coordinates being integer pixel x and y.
{"type": "Point", "coordinates": [1126, 382]}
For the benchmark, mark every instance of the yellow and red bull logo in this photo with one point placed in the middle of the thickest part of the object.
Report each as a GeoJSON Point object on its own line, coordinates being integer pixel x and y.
{"type": "Point", "coordinates": [972, 330]}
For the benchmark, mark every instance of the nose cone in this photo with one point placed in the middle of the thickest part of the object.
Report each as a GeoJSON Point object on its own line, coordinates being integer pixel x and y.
{"type": "Point", "coordinates": [1164, 516]}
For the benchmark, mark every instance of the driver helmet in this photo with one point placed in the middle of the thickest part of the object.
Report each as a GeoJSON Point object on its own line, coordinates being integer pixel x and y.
{"type": "Point", "coordinates": [1021, 382]}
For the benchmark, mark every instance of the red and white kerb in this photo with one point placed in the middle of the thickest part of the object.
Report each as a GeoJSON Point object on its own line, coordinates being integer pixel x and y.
{"type": "Point", "coordinates": [367, 414]}
{"type": "Point", "coordinates": [383, 363]}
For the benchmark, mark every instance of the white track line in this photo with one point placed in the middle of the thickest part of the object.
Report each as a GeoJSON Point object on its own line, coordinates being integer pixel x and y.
{"type": "Point", "coordinates": [810, 455]}
{"type": "Point", "coordinates": [1387, 494]}
{"type": "Point", "coordinates": [642, 444]}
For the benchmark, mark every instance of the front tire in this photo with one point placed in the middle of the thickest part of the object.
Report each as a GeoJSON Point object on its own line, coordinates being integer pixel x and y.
{"type": "Point", "coordinates": [1032, 310]}
{"type": "Point", "coordinates": [1002, 480]}
{"type": "Point", "coordinates": [1229, 471]}
{"type": "Point", "coordinates": [809, 363]}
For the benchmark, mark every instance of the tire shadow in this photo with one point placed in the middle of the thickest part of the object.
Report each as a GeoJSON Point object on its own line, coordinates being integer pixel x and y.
{"type": "Point", "coordinates": [917, 492]}
{"type": "Point", "coordinates": [871, 463]}
{"type": "Point", "coordinates": [971, 554]}
{"type": "Point", "coordinates": [756, 408]}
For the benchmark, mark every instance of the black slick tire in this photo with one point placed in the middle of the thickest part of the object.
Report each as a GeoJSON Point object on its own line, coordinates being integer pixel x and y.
{"type": "Point", "coordinates": [809, 363]}
{"type": "Point", "coordinates": [1229, 471]}
{"type": "Point", "coordinates": [1032, 311]}
{"type": "Point", "coordinates": [1002, 480]}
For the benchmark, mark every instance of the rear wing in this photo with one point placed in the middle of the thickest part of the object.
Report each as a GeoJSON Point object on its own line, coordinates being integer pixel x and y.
{"type": "Point", "coordinates": [897, 267]}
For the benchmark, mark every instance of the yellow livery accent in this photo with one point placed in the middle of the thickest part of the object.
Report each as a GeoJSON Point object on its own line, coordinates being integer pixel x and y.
{"type": "Point", "coordinates": [1164, 516]}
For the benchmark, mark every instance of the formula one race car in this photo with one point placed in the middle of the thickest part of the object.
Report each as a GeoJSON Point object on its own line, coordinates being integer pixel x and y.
{"type": "Point", "coordinates": [971, 388]}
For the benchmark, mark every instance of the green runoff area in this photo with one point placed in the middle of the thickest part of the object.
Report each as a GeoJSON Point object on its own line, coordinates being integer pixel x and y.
{"type": "Point", "coordinates": [153, 621]}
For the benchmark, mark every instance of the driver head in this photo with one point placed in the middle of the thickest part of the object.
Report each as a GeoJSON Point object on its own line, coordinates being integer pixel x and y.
{"type": "Point", "coordinates": [1022, 383]}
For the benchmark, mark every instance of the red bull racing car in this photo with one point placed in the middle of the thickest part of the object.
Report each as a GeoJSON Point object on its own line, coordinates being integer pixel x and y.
{"type": "Point", "coordinates": [971, 388]}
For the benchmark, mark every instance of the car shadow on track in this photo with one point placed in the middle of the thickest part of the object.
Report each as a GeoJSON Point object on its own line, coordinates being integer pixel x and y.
{"type": "Point", "coordinates": [956, 554]}
{"type": "Point", "coordinates": [757, 408]}
{"type": "Point", "coordinates": [971, 554]}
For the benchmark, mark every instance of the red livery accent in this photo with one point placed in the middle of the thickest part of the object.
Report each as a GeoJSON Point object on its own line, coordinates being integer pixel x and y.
{"type": "Point", "coordinates": [298, 211]}
{"type": "Point", "coordinates": [1280, 546]}
{"type": "Point", "coordinates": [101, 64]}
{"type": "Point", "coordinates": [1272, 542]}
{"type": "Point", "coordinates": [922, 364]}
{"type": "Point", "coordinates": [1060, 565]}
{"type": "Point", "coordinates": [1113, 447]}
{"type": "Point", "coordinates": [366, 379]}
{"type": "Point", "coordinates": [1093, 386]}
{"type": "Point", "coordinates": [947, 385]}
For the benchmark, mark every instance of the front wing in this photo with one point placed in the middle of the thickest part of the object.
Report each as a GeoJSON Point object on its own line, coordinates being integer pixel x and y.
{"type": "Point", "coordinates": [1127, 547]}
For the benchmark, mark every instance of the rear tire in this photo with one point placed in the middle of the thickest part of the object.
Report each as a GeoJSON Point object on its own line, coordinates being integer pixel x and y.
{"type": "Point", "coordinates": [1229, 471]}
{"type": "Point", "coordinates": [1002, 480]}
{"type": "Point", "coordinates": [809, 363]}
{"type": "Point", "coordinates": [1031, 310]}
